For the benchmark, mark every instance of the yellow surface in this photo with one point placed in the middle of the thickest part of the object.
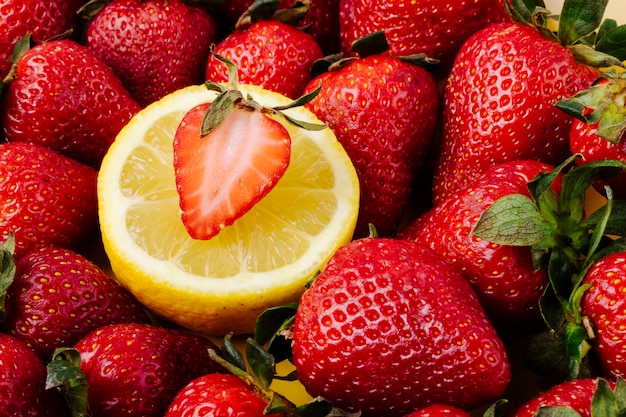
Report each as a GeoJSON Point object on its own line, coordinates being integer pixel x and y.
{"type": "Point", "coordinates": [220, 285]}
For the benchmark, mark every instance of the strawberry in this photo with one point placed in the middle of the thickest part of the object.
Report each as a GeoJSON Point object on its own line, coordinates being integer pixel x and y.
{"type": "Point", "coordinates": [227, 156]}
{"type": "Point", "coordinates": [23, 382]}
{"type": "Point", "coordinates": [493, 110]}
{"type": "Point", "coordinates": [389, 325]}
{"type": "Point", "coordinates": [65, 98]}
{"type": "Point", "coordinates": [388, 155]}
{"type": "Point", "coordinates": [218, 395]}
{"type": "Point", "coordinates": [137, 369]}
{"type": "Point", "coordinates": [599, 131]}
{"type": "Point", "coordinates": [504, 277]}
{"type": "Point", "coordinates": [264, 52]}
{"type": "Point", "coordinates": [155, 47]}
{"type": "Point", "coordinates": [58, 296]}
{"type": "Point", "coordinates": [47, 198]}
{"type": "Point", "coordinates": [321, 20]}
{"type": "Point", "coordinates": [42, 19]}
{"type": "Point", "coordinates": [575, 396]}
{"type": "Point", "coordinates": [439, 410]}
{"type": "Point", "coordinates": [605, 307]}
{"type": "Point", "coordinates": [422, 26]}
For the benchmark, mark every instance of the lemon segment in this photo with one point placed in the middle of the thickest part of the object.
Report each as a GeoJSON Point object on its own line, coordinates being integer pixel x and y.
{"type": "Point", "coordinates": [264, 259]}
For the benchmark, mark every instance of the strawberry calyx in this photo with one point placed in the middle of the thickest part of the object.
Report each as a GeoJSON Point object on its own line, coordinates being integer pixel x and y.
{"type": "Point", "coordinates": [256, 367]}
{"type": "Point", "coordinates": [579, 26]}
{"type": "Point", "coordinates": [373, 44]}
{"type": "Point", "coordinates": [7, 270]}
{"type": "Point", "coordinates": [604, 104]}
{"type": "Point", "coordinates": [269, 10]}
{"type": "Point", "coordinates": [64, 374]}
{"type": "Point", "coordinates": [567, 242]}
{"type": "Point", "coordinates": [609, 399]}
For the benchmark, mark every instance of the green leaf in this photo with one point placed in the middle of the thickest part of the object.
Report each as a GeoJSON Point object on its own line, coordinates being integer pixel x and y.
{"type": "Point", "coordinates": [579, 18]}
{"type": "Point", "coordinates": [545, 354]}
{"type": "Point", "coordinates": [513, 220]}
{"type": "Point", "coordinates": [552, 309]}
{"type": "Point", "coordinates": [587, 55]}
{"type": "Point", "coordinates": [372, 44]}
{"type": "Point", "coordinates": [574, 337]}
{"type": "Point", "coordinates": [261, 363]}
{"type": "Point", "coordinates": [577, 181]}
{"type": "Point", "coordinates": [522, 10]}
{"type": "Point", "coordinates": [603, 403]}
{"type": "Point", "coordinates": [272, 320]}
{"type": "Point", "coordinates": [304, 125]}
{"type": "Point", "coordinates": [7, 271]}
{"type": "Point", "coordinates": [616, 222]}
{"type": "Point", "coordinates": [612, 40]}
{"type": "Point", "coordinates": [542, 182]}
{"type": "Point", "coordinates": [231, 354]}
{"type": "Point", "coordinates": [561, 270]}
{"type": "Point", "coordinates": [302, 100]}
{"type": "Point", "coordinates": [64, 374]}
{"type": "Point", "coordinates": [219, 109]}
{"type": "Point", "coordinates": [555, 411]}
{"type": "Point", "coordinates": [318, 407]}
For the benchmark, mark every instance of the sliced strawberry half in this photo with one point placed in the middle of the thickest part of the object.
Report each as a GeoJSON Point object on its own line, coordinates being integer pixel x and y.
{"type": "Point", "coordinates": [222, 175]}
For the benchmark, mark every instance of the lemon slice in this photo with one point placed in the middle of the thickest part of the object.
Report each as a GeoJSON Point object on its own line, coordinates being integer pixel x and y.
{"type": "Point", "coordinates": [264, 259]}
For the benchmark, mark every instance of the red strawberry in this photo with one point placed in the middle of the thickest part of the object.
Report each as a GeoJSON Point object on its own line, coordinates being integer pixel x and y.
{"type": "Point", "coordinates": [66, 99]}
{"type": "Point", "coordinates": [599, 132]}
{"type": "Point", "coordinates": [389, 325]}
{"type": "Point", "coordinates": [574, 395]}
{"type": "Point", "coordinates": [47, 198]}
{"type": "Point", "coordinates": [137, 369]}
{"type": "Point", "coordinates": [504, 277]}
{"type": "Point", "coordinates": [269, 53]}
{"type": "Point", "coordinates": [58, 296]}
{"type": "Point", "coordinates": [495, 112]}
{"type": "Point", "coordinates": [23, 383]}
{"type": "Point", "coordinates": [439, 410]}
{"type": "Point", "coordinates": [384, 112]}
{"type": "Point", "coordinates": [321, 20]}
{"type": "Point", "coordinates": [218, 395]}
{"type": "Point", "coordinates": [217, 187]}
{"type": "Point", "coordinates": [43, 19]}
{"type": "Point", "coordinates": [605, 306]}
{"type": "Point", "coordinates": [435, 28]}
{"type": "Point", "coordinates": [155, 47]}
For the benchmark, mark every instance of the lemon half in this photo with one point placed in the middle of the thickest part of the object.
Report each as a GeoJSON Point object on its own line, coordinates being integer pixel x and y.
{"type": "Point", "coordinates": [221, 285]}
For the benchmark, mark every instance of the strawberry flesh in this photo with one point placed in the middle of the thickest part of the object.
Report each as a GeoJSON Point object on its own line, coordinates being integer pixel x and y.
{"type": "Point", "coordinates": [221, 176]}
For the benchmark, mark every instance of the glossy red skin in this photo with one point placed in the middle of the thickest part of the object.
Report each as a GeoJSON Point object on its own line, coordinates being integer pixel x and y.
{"type": "Point", "coordinates": [433, 27]}
{"type": "Point", "coordinates": [502, 276]}
{"type": "Point", "coordinates": [321, 20]}
{"type": "Point", "coordinates": [222, 395]}
{"type": "Point", "coordinates": [574, 394]}
{"type": "Point", "coordinates": [68, 100]}
{"type": "Point", "coordinates": [137, 369]}
{"type": "Point", "coordinates": [439, 410]}
{"type": "Point", "coordinates": [604, 304]}
{"type": "Point", "coordinates": [58, 296]}
{"type": "Point", "coordinates": [23, 381]}
{"type": "Point", "coordinates": [384, 112]}
{"type": "Point", "coordinates": [389, 326]}
{"type": "Point", "coordinates": [155, 47]}
{"type": "Point", "coordinates": [46, 198]}
{"type": "Point", "coordinates": [584, 140]}
{"type": "Point", "coordinates": [42, 19]}
{"type": "Point", "coordinates": [269, 53]}
{"type": "Point", "coordinates": [493, 110]}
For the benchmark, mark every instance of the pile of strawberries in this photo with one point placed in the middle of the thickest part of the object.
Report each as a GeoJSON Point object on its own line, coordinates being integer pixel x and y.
{"type": "Point", "coordinates": [477, 131]}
